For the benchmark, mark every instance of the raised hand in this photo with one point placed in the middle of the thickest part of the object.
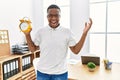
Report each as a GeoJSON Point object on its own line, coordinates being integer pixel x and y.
{"type": "Point", "coordinates": [28, 32]}
{"type": "Point", "coordinates": [87, 26]}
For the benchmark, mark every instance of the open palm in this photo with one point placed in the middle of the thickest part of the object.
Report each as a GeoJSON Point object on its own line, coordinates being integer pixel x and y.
{"type": "Point", "coordinates": [87, 26]}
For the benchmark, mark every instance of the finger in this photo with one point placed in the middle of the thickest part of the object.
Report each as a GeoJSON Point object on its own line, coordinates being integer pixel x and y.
{"type": "Point", "coordinates": [30, 29]}
{"type": "Point", "coordinates": [90, 21]}
{"type": "Point", "coordinates": [85, 24]}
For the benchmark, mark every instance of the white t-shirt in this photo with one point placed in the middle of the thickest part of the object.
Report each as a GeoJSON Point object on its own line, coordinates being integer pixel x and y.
{"type": "Point", "coordinates": [53, 45]}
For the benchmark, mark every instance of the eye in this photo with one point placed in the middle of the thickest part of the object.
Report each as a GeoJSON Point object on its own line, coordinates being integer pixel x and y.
{"type": "Point", "coordinates": [51, 15]}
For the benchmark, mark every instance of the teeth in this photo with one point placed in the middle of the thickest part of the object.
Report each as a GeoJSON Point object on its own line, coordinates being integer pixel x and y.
{"type": "Point", "coordinates": [53, 22]}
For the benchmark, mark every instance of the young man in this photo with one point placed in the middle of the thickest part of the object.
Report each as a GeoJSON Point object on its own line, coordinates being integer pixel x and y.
{"type": "Point", "coordinates": [53, 42]}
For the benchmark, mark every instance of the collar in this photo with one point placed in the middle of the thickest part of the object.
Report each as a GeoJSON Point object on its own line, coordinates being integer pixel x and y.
{"type": "Point", "coordinates": [50, 28]}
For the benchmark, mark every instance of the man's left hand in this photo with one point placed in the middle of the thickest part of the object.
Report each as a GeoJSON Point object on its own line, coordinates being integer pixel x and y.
{"type": "Point", "coordinates": [87, 26]}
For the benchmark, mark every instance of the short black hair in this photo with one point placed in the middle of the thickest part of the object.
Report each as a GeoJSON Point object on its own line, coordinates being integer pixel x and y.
{"type": "Point", "coordinates": [53, 6]}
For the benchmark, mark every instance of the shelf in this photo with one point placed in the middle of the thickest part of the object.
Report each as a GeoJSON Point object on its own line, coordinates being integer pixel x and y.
{"type": "Point", "coordinates": [21, 64]}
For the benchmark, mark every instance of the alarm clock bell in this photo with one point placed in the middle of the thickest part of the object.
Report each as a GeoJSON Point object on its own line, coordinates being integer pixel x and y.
{"type": "Point", "coordinates": [25, 24]}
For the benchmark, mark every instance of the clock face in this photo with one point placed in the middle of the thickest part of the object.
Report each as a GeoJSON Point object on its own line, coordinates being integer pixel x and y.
{"type": "Point", "coordinates": [24, 26]}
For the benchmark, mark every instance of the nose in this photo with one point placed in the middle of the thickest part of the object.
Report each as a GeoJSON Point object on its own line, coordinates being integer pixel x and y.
{"type": "Point", "coordinates": [53, 17]}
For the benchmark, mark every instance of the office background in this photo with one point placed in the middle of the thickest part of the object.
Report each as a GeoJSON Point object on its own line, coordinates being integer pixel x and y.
{"type": "Point", "coordinates": [104, 36]}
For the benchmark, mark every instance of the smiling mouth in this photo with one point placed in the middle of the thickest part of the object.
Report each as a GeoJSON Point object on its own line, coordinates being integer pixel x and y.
{"type": "Point", "coordinates": [53, 22]}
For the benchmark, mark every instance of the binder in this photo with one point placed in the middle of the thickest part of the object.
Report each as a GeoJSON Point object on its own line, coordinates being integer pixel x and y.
{"type": "Point", "coordinates": [8, 70]}
{"type": "Point", "coordinates": [11, 68]}
{"type": "Point", "coordinates": [23, 64]}
{"type": "Point", "coordinates": [29, 62]}
{"type": "Point", "coordinates": [5, 71]}
{"type": "Point", "coordinates": [17, 70]}
{"type": "Point", "coordinates": [26, 62]}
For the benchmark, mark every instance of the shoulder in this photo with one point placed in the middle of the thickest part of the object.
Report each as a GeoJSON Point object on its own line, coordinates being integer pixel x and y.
{"type": "Point", "coordinates": [42, 29]}
{"type": "Point", "coordinates": [65, 29]}
{"type": "Point", "coordinates": [39, 30]}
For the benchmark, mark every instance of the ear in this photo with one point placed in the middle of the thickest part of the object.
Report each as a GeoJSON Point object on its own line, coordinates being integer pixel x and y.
{"type": "Point", "coordinates": [47, 16]}
{"type": "Point", "coordinates": [60, 16]}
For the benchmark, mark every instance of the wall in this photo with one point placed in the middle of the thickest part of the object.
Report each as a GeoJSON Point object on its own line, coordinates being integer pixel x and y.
{"type": "Point", "coordinates": [38, 15]}
{"type": "Point", "coordinates": [11, 11]}
{"type": "Point", "coordinates": [79, 14]}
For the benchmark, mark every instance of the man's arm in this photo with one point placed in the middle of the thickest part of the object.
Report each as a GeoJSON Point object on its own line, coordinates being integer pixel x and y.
{"type": "Point", "coordinates": [31, 45]}
{"type": "Point", "coordinates": [76, 49]}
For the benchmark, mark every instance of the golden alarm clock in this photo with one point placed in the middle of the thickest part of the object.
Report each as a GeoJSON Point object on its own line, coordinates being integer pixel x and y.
{"type": "Point", "coordinates": [25, 24]}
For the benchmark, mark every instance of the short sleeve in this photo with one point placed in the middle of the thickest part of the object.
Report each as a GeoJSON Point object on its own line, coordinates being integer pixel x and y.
{"type": "Point", "coordinates": [71, 40]}
{"type": "Point", "coordinates": [37, 38]}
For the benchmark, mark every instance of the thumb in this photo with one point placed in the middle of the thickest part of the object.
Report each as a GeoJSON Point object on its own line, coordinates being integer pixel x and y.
{"type": "Point", "coordinates": [85, 24]}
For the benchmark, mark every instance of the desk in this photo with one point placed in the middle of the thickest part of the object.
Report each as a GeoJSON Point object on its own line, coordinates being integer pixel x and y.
{"type": "Point", "coordinates": [80, 72]}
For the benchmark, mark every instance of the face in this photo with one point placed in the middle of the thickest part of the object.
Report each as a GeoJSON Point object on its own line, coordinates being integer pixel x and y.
{"type": "Point", "coordinates": [53, 17]}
